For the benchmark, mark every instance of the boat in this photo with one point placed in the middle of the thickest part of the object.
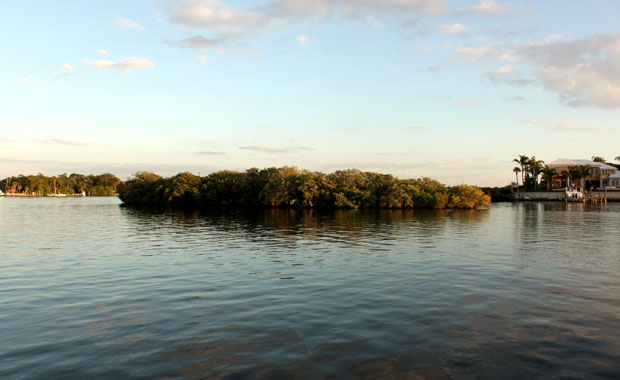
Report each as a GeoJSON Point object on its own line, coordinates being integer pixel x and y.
{"type": "Point", "coordinates": [1, 194]}
{"type": "Point", "coordinates": [573, 194]}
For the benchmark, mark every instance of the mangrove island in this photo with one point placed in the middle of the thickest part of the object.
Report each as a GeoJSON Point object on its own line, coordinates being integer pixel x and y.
{"type": "Point", "coordinates": [292, 188]}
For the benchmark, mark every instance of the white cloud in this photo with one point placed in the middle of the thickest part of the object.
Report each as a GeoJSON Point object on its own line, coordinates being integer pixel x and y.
{"type": "Point", "coordinates": [355, 9]}
{"type": "Point", "coordinates": [486, 8]}
{"type": "Point", "coordinates": [217, 44]}
{"type": "Point", "coordinates": [210, 153]}
{"type": "Point", "coordinates": [453, 29]}
{"type": "Point", "coordinates": [27, 79]}
{"type": "Point", "coordinates": [67, 69]}
{"type": "Point", "coordinates": [568, 126]}
{"type": "Point", "coordinates": [124, 64]}
{"type": "Point", "coordinates": [220, 16]}
{"type": "Point", "coordinates": [199, 61]}
{"type": "Point", "coordinates": [458, 103]}
{"type": "Point", "coordinates": [270, 150]}
{"type": "Point", "coordinates": [303, 40]}
{"type": "Point", "coordinates": [64, 142]}
{"type": "Point", "coordinates": [102, 52]}
{"type": "Point", "coordinates": [213, 14]}
{"type": "Point", "coordinates": [30, 80]}
{"type": "Point", "coordinates": [474, 54]}
{"type": "Point", "coordinates": [125, 23]}
{"type": "Point", "coordinates": [583, 72]}
{"type": "Point", "coordinates": [261, 148]}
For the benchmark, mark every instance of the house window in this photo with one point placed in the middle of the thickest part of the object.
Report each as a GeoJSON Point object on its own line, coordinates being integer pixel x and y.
{"type": "Point", "coordinates": [557, 169]}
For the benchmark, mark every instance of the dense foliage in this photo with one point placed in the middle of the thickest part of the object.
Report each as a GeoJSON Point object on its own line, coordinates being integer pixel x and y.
{"type": "Point", "coordinates": [499, 194]}
{"type": "Point", "coordinates": [290, 187]}
{"type": "Point", "coordinates": [103, 184]}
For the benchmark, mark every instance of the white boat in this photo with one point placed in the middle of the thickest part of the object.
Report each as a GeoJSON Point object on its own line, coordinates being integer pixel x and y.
{"type": "Point", "coordinates": [573, 194]}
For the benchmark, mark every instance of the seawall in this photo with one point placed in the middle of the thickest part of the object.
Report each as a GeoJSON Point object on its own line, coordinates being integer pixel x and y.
{"type": "Point", "coordinates": [612, 195]}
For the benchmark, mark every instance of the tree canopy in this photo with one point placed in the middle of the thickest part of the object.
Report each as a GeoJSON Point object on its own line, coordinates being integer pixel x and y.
{"type": "Point", "coordinates": [74, 183]}
{"type": "Point", "coordinates": [290, 187]}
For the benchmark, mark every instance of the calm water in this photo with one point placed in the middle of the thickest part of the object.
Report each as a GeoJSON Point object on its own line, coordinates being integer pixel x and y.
{"type": "Point", "coordinates": [89, 289]}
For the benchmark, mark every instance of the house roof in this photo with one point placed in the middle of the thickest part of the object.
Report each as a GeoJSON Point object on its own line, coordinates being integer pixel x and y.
{"type": "Point", "coordinates": [572, 162]}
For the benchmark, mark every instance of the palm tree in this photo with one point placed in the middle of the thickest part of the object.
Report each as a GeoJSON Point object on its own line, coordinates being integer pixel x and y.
{"type": "Point", "coordinates": [522, 160]}
{"type": "Point", "coordinates": [535, 168]}
{"type": "Point", "coordinates": [517, 170]}
{"type": "Point", "coordinates": [598, 159]}
{"type": "Point", "coordinates": [584, 171]}
{"type": "Point", "coordinates": [549, 173]}
{"type": "Point", "coordinates": [574, 172]}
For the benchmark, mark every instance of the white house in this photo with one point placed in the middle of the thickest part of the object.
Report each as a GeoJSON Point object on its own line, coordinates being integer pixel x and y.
{"type": "Point", "coordinates": [601, 175]}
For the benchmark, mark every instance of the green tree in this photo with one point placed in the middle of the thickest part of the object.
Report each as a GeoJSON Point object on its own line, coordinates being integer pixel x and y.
{"type": "Point", "coordinates": [517, 170]}
{"type": "Point", "coordinates": [548, 174]}
{"type": "Point", "coordinates": [522, 160]}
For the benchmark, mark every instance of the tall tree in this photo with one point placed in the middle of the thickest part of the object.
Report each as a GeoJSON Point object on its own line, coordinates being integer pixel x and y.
{"type": "Point", "coordinates": [549, 173]}
{"type": "Point", "coordinates": [584, 171]}
{"type": "Point", "coordinates": [522, 160]}
{"type": "Point", "coordinates": [535, 167]}
{"type": "Point", "coordinates": [517, 170]}
{"type": "Point", "coordinates": [598, 159]}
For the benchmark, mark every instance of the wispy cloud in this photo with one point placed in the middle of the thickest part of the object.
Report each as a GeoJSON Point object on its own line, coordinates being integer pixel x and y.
{"type": "Point", "coordinates": [485, 8]}
{"type": "Point", "coordinates": [67, 69]}
{"type": "Point", "coordinates": [303, 40]}
{"type": "Point", "coordinates": [271, 150]}
{"type": "Point", "coordinates": [102, 52]}
{"type": "Point", "coordinates": [125, 23]}
{"type": "Point", "coordinates": [533, 122]}
{"type": "Point", "coordinates": [27, 79]}
{"type": "Point", "coordinates": [30, 79]}
{"type": "Point", "coordinates": [199, 61]}
{"type": "Point", "coordinates": [210, 153]}
{"type": "Point", "coordinates": [568, 126]}
{"type": "Point", "coordinates": [458, 103]}
{"type": "Point", "coordinates": [582, 72]}
{"type": "Point", "coordinates": [217, 44]}
{"type": "Point", "coordinates": [214, 15]}
{"type": "Point", "coordinates": [63, 142]}
{"type": "Point", "coordinates": [125, 64]}
{"type": "Point", "coordinates": [264, 149]}
{"type": "Point", "coordinates": [475, 54]}
{"type": "Point", "coordinates": [453, 29]}
{"type": "Point", "coordinates": [416, 127]}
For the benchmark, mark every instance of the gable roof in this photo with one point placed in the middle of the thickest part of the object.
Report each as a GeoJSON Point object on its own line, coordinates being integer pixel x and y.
{"type": "Point", "coordinates": [573, 162]}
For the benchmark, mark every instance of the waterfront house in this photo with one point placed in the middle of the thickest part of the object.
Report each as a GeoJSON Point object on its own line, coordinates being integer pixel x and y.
{"type": "Point", "coordinates": [600, 175]}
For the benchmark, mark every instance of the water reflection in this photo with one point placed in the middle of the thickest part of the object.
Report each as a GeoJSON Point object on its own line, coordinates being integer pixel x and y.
{"type": "Point", "coordinates": [527, 290]}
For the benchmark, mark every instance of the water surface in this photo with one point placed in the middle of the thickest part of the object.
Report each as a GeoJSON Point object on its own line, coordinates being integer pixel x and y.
{"type": "Point", "coordinates": [89, 289]}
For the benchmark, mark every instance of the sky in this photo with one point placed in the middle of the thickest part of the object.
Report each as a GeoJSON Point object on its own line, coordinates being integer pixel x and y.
{"type": "Point", "coordinates": [452, 90]}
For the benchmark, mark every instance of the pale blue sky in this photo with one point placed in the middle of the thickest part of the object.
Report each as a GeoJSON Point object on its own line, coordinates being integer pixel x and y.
{"type": "Point", "coordinates": [453, 90]}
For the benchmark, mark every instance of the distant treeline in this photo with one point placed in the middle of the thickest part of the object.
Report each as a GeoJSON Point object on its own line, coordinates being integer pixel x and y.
{"type": "Point", "coordinates": [499, 194]}
{"type": "Point", "coordinates": [290, 187]}
{"type": "Point", "coordinates": [103, 184]}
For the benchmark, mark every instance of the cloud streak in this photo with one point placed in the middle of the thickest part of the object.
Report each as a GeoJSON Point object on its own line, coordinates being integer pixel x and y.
{"type": "Point", "coordinates": [66, 70]}
{"type": "Point", "coordinates": [125, 64]}
{"type": "Point", "coordinates": [271, 150]}
{"type": "Point", "coordinates": [125, 23]}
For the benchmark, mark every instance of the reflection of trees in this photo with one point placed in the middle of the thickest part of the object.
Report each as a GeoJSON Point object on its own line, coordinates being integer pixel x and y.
{"type": "Point", "coordinates": [291, 225]}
